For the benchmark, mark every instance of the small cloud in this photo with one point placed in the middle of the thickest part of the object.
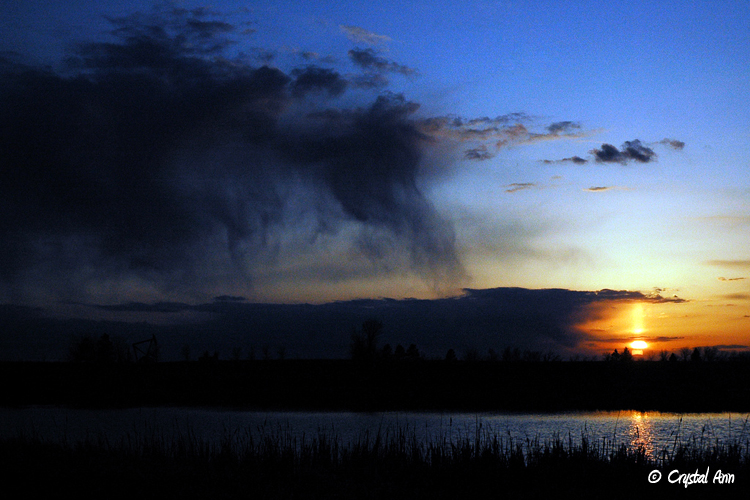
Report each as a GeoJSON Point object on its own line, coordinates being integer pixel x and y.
{"type": "Point", "coordinates": [480, 153]}
{"type": "Point", "coordinates": [368, 59]}
{"type": "Point", "coordinates": [729, 263]}
{"type": "Point", "coordinates": [736, 296]}
{"type": "Point", "coordinates": [512, 188]}
{"type": "Point", "coordinates": [673, 143]}
{"type": "Point", "coordinates": [563, 127]}
{"type": "Point", "coordinates": [573, 159]}
{"type": "Point", "coordinates": [631, 150]}
{"type": "Point", "coordinates": [731, 279]}
{"type": "Point", "coordinates": [598, 189]}
{"type": "Point", "coordinates": [361, 35]}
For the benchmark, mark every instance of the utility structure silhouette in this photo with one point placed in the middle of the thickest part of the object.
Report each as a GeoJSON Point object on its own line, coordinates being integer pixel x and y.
{"type": "Point", "coordinates": [146, 351]}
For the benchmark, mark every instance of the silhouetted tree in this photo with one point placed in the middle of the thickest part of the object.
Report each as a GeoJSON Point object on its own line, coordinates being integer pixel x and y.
{"type": "Point", "coordinates": [511, 355]}
{"type": "Point", "coordinates": [412, 353]}
{"type": "Point", "coordinates": [281, 352]}
{"type": "Point", "coordinates": [492, 354]}
{"type": "Point", "coordinates": [663, 355]}
{"type": "Point", "coordinates": [551, 357]}
{"type": "Point", "coordinates": [101, 351]}
{"type": "Point", "coordinates": [206, 357]}
{"type": "Point", "coordinates": [236, 354]}
{"type": "Point", "coordinates": [673, 358]}
{"type": "Point", "coordinates": [399, 353]}
{"type": "Point", "coordinates": [710, 353]}
{"type": "Point", "coordinates": [532, 356]}
{"type": "Point", "coordinates": [185, 351]}
{"type": "Point", "coordinates": [685, 353]}
{"type": "Point", "coordinates": [626, 356]}
{"type": "Point", "coordinates": [472, 355]}
{"type": "Point", "coordinates": [387, 352]}
{"type": "Point", "coordinates": [365, 343]}
{"type": "Point", "coordinates": [695, 357]}
{"type": "Point", "coordinates": [450, 355]}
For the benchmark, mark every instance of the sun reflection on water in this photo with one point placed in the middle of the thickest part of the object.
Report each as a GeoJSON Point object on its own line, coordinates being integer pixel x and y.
{"type": "Point", "coordinates": [641, 433]}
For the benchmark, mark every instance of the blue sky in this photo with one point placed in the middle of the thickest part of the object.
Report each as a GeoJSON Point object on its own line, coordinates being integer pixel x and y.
{"type": "Point", "coordinates": [516, 179]}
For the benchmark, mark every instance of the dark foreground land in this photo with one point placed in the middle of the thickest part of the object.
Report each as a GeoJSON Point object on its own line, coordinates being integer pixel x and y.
{"type": "Point", "coordinates": [276, 464]}
{"type": "Point", "coordinates": [406, 385]}
{"type": "Point", "coordinates": [394, 465]}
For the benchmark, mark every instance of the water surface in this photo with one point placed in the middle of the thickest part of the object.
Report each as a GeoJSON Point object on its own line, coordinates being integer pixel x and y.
{"type": "Point", "coordinates": [653, 431]}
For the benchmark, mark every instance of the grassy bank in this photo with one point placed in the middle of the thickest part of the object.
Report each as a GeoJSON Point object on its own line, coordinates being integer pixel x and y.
{"type": "Point", "coordinates": [274, 463]}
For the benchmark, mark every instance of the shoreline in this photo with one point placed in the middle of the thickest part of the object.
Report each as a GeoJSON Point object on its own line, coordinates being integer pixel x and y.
{"type": "Point", "coordinates": [423, 385]}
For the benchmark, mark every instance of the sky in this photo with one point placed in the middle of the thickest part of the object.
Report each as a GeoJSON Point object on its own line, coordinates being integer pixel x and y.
{"type": "Point", "coordinates": [183, 163]}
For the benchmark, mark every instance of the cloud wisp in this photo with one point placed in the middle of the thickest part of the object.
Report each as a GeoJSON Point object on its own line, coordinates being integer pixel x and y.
{"type": "Point", "coordinates": [361, 35]}
{"type": "Point", "coordinates": [493, 134]}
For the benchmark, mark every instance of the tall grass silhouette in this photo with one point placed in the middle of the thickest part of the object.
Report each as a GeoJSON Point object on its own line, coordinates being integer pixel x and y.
{"type": "Point", "coordinates": [271, 461]}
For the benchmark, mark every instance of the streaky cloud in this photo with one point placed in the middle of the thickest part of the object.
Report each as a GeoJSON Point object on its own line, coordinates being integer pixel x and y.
{"type": "Point", "coordinates": [519, 186]}
{"type": "Point", "coordinates": [361, 35]}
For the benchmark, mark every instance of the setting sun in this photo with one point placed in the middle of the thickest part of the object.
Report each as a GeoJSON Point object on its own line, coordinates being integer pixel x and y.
{"type": "Point", "coordinates": [638, 346]}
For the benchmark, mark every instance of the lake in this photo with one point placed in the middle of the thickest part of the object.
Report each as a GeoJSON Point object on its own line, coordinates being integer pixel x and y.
{"type": "Point", "coordinates": [653, 431]}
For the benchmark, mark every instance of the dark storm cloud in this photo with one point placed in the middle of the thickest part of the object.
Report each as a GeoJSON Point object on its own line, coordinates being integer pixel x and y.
{"type": "Point", "coordinates": [495, 318]}
{"type": "Point", "coordinates": [631, 150]}
{"type": "Point", "coordinates": [314, 78]}
{"type": "Point", "coordinates": [542, 320]}
{"type": "Point", "coordinates": [155, 155]}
